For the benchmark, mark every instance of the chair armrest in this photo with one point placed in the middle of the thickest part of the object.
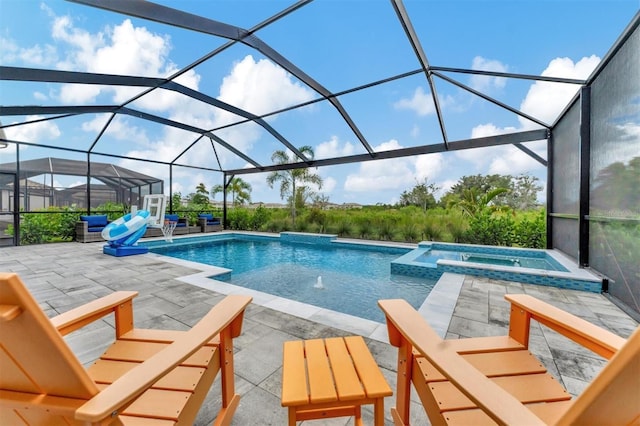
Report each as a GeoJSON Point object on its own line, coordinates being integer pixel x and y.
{"type": "Point", "coordinates": [406, 326]}
{"type": "Point", "coordinates": [202, 221]}
{"type": "Point", "coordinates": [226, 316]}
{"type": "Point", "coordinates": [82, 226]}
{"type": "Point", "coordinates": [183, 220]}
{"type": "Point", "coordinates": [592, 337]}
{"type": "Point", "coordinates": [78, 317]}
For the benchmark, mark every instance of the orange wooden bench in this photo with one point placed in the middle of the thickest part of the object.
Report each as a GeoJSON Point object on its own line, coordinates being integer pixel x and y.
{"type": "Point", "coordinates": [150, 377]}
{"type": "Point", "coordinates": [324, 378]}
{"type": "Point", "coordinates": [496, 380]}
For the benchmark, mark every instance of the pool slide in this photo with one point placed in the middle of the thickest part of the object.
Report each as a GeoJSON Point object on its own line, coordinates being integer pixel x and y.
{"type": "Point", "coordinates": [123, 234]}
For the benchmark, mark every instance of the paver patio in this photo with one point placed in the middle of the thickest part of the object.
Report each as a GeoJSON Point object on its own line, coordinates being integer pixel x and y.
{"type": "Point", "coordinates": [62, 276]}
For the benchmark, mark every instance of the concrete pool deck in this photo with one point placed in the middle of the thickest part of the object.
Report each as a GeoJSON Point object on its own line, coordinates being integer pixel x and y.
{"type": "Point", "coordinates": [62, 276]}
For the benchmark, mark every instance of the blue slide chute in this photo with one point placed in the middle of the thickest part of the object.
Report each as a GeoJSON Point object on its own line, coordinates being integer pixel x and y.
{"type": "Point", "coordinates": [122, 234]}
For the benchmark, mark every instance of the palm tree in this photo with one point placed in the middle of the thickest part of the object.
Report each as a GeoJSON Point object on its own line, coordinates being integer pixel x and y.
{"type": "Point", "coordinates": [291, 180]}
{"type": "Point", "coordinates": [201, 195]}
{"type": "Point", "coordinates": [240, 191]}
{"type": "Point", "coordinates": [473, 202]}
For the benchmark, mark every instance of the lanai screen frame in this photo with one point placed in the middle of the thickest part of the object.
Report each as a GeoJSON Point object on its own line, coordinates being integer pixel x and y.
{"type": "Point", "coordinates": [168, 16]}
{"type": "Point", "coordinates": [173, 17]}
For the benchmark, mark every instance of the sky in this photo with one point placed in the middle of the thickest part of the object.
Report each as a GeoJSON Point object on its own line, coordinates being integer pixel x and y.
{"type": "Point", "coordinates": [341, 45]}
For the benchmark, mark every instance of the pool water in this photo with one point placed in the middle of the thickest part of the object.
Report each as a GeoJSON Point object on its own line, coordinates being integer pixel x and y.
{"type": "Point", "coordinates": [515, 260]}
{"type": "Point", "coordinates": [351, 280]}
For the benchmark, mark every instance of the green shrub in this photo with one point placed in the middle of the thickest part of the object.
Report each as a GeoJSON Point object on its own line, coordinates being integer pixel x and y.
{"type": "Point", "coordinates": [302, 225]}
{"type": "Point", "coordinates": [278, 225]}
{"type": "Point", "coordinates": [344, 228]}
{"type": "Point", "coordinates": [457, 226]}
{"type": "Point", "coordinates": [432, 229]}
{"type": "Point", "coordinates": [259, 218]}
{"type": "Point", "coordinates": [386, 230]}
{"type": "Point", "coordinates": [54, 224]}
{"type": "Point", "coordinates": [363, 227]}
{"type": "Point", "coordinates": [490, 229]}
{"type": "Point", "coordinates": [317, 217]}
{"type": "Point", "coordinates": [239, 219]}
{"type": "Point", "coordinates": [410, 232]}
{"type": "Point", "coordinates": [34, 229]}
{"type": "Point", "coordinates": [532, 233]}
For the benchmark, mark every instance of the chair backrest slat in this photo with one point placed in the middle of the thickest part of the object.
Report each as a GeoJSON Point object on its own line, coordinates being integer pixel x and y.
{"type": "Point", "coordinates": [34, 357]}
{"type": "Point", "coordinates": [612, 396]}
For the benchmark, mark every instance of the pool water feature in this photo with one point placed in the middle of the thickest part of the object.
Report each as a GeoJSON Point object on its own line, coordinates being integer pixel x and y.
{"type": "Point", "coordinates": [343, 277]}
{"type": "Point", "coordinates": [530, 266]}
{"type": "Point", "coordinates": [527, 259]}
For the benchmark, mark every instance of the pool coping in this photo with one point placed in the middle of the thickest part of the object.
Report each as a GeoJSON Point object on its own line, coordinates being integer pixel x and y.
{"type": "Point", "coordinates": [437, 308]}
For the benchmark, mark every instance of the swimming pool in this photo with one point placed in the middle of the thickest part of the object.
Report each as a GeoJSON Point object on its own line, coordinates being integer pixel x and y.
{"type": "Point", "coordinates": [347, 278]}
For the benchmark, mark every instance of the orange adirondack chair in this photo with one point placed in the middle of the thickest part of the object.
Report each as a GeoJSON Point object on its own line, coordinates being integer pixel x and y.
{"type": "Point", "coordinates": [496, 380]}
{"type": "Point", "coordinates": [158, 377]}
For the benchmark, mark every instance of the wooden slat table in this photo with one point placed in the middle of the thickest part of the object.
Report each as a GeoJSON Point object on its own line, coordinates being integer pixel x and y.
{"type": "Point", "coordinates": [334, 377]}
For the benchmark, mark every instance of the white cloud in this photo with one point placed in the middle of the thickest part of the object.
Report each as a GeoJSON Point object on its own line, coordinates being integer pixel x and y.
{"type": "Point", "coordinates": [482, 82]}
{"type": "Point", "coordinates": [40, 96]}
{"type": "Point", "coordinates": [544, 100]}
{"type": "Point", "coordinates": [328, 185]}
{"type": "Point", "coordinates": [280, 91]}
{"type": "Point", "coordinates": [261, 86]}
{"type": "Point", "coordinates": [421, 103]}
{"type": "Point", "coordinates": [444, 187]}
{"type": "Point", "coordinates": [481, 157]}
{"type": "Point", "coordinates": [37, 55]}
{"type": "Point", "coordinates": [396, 173]}
{"type": "Point", "coordinates": [428, 166]}
{"type": "Point", "coordinates": [9, 50]}
{"type": "Point", "coordinates": [34, 132]}
{"type": "Point", "coordinates": [119, 128]}
{"type": "Point", "coordinates": [629, 131]}
{"type": "Point", "coordinates": [332, 148]}
{"type": "Point", "coordinates": [509, 160]}
{"type": "Point", "coordinates": [122, 49]}
{"type": "Point", "coordinates": [78, 93]}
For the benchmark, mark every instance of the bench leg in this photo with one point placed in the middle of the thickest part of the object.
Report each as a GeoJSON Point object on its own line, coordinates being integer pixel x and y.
{"type": "Point", "coordinates": [358, 415]}
{"type": "Point", "coordinates": [378, 412]}
{"type": "Point", "coordinates": [292, 416]}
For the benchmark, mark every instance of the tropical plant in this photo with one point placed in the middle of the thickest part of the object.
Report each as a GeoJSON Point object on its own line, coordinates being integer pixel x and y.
{"type": "Point", "coordinates": [201, 196]}
{"type": "Point", "coordinates": [475, 203]}
{"type": "Point", "coordinates": [239, 188]}
{"type": "Point", "coordinates": [292, 180]}
{"type": "Point", "coordinates": [522, 191]}
{"type": "Point", "coordinates": [176, 201]}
